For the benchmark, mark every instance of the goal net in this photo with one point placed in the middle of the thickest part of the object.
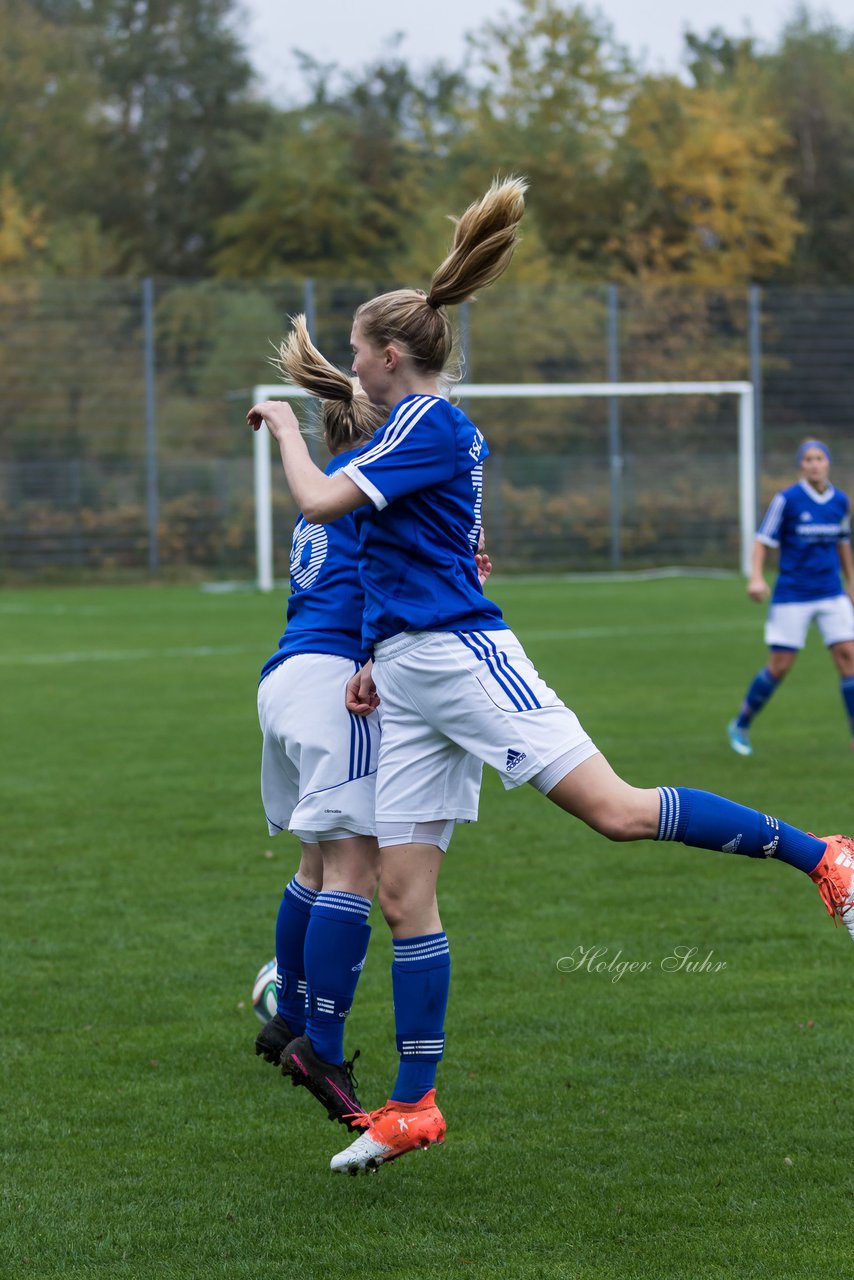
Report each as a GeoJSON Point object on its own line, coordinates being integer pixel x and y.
{"type": "Point", "coordinates": [597, 476]}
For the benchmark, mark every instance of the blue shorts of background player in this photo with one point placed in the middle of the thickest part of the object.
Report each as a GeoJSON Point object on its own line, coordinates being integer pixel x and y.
{"type": "Point", "coordinates": [810, 524]}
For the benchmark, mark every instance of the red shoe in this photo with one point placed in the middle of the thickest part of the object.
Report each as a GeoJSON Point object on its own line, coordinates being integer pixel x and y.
{"type": "Point", "coordinates": [834, 877]}
{"type": "Point", "coordinates": [393, 1130]}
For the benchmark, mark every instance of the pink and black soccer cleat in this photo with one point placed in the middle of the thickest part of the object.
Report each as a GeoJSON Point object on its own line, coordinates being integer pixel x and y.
{"type": "Point", "coordinates": [334, 1086]}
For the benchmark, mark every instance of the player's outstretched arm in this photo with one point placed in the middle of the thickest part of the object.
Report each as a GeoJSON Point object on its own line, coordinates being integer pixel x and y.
{"type": "Point", "coordinates": [321, 498]}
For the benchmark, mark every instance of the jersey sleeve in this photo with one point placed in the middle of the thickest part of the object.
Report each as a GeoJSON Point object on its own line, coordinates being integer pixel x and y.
{"type": "Point", "coordinates": [415, 450]}
{"type": "Point", "coordinates": [769, 529]}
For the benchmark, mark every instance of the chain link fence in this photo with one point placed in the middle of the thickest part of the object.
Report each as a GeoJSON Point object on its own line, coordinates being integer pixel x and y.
{"type": "Point", "coordinates": [124, 449]}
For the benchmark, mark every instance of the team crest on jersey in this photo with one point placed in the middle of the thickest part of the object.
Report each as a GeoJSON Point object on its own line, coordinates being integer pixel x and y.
{"type": "Point", "coordinates": [477, 446]}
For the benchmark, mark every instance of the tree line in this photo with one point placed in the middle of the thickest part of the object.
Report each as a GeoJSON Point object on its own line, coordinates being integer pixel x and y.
{"type": "Point", "coordinates": [134, 142]}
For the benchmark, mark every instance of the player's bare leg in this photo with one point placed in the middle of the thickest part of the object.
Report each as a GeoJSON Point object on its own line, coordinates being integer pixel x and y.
{"type": "Point", "coordinates": [410, 874]}
{"type": "Point", "coordinates": [351, 866]}
{"type": "Point", "coordinates": [598, 796]}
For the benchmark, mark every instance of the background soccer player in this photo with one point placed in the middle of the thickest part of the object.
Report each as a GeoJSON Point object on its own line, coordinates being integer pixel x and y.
{"type": "Point", "coordinates": [810, 523]}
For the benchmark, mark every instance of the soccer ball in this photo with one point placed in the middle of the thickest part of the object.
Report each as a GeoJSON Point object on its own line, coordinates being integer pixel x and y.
{"type": "Point", "coordinates": [264, 991]}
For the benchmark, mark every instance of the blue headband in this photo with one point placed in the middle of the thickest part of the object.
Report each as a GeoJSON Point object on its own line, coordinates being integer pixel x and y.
{"type": "Point", "coordinates": [813, 444]}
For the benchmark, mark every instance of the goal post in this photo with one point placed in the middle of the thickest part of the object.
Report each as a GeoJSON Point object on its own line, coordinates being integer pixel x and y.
{"type": "Point", "coordinates": [742, 391]}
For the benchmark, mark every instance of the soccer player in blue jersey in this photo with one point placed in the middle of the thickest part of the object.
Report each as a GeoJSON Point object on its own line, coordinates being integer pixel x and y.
{"type": "Point", "coordinates": [318, 767]}
{"type": "Point", "coordinates": [456, 688]}
{"type": "Point", "coordinates": [810, 522]}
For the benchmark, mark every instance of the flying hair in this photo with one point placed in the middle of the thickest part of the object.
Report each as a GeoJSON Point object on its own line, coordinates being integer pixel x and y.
{"type": "Point", "coordinates": [349, 418]}
{"type": "Point", "coordinates": [485, 239]}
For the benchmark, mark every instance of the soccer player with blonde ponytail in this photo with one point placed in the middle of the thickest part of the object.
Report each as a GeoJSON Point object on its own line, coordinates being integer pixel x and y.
{"type": "Point", "coordinates": [457, 689]}
{"type": "Point", "coordinates": [318, 766]}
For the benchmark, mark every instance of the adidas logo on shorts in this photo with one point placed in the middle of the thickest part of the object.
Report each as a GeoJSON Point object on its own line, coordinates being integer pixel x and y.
{"type": "Point", "coordinates": [514, 758]}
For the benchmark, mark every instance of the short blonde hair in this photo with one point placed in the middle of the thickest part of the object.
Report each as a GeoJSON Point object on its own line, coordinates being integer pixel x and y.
{"type": "Point", "coordinates": [349, 418]}
{"type": "Point", "coordinates": [484, 242]}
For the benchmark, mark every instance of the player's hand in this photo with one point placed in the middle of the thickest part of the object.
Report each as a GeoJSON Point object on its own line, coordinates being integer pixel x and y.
{"type": "Point", "coordinates": [361, 697]}
{"type": "Point", "coordinates": [484, 566]}
{"type": "Point", "coordinates": [278, 415]}
{"type": "Point", "coordinates": [758, 590]}
{"type": "Point", "coordinates": [481, 559]}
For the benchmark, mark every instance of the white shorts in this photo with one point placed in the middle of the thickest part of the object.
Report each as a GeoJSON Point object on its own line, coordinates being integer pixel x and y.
{"type": "Point", "coordinates": [318, 762]}
{"type": "Point", "coordinates": [453, 701]}
{"type": "Point", "coordinates": [788, 624]}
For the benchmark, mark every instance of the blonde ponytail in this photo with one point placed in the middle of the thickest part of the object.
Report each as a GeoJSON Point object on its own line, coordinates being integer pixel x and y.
{"type": "Point", "coordinates": [349, 418]}
{"type": "Point", "coordinates": [484, 242]}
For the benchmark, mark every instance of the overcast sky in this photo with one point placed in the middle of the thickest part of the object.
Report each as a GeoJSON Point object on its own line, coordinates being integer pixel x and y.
{"type": "Point", "coordinates": [353, 32]}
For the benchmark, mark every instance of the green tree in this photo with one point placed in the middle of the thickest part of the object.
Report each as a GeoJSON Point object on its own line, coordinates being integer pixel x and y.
{"type": "Point", "coordinates": [307, 208]}
{"type": "Point", "coordinates": [342, 185]}
{"type": "Point", "coordinates": [47, 94]}
{"type": "Point", "coordinates": [171, 110]}
{"type": "Point", "coordinates": [554, 92]}
{"type": "Point", "coordinates": [706, 171]}
{"type": "Point", "coordinates": [716, 58]}
{"type": "Point", "coordinates": [21, 229]}
{"type": "Point", "coordinates": [811, 89]}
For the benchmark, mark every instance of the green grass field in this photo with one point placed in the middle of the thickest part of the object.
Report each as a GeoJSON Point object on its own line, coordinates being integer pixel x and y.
{"type": "Point", "coordinates": [666, 1125]}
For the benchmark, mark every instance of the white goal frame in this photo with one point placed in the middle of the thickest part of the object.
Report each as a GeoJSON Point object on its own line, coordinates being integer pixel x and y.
{"type": "Point", "coordinates": [743, 391]}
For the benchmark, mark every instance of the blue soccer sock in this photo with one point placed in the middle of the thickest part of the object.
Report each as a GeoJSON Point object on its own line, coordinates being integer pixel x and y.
{"type": "Point", "coordinates": [291, 926]}
{"type": "Point", "coordinates": [757, 695]}
{"type": "Point", "coordinates": [706, 821]}
{"type": "Point", "coordinates": [846, 684]}
{"type": "Point", "coordinates": [335, 948]}
{"type": "Point", "coordinates": [421, 979]}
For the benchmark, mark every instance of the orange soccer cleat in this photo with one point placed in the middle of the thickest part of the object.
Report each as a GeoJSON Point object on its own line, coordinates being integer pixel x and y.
{"type": "Point", "coordinates": [834, 877]}
{"type": "Point", "coordinates": [391, 1131]}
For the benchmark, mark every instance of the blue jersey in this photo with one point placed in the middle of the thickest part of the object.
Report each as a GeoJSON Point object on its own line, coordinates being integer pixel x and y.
{"type": "Point", "coordinates": [423, 472]}
{"type": "Point", "coordinates": [807, 526]}
{"type": "Point", "coordinates": [327, 601]}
